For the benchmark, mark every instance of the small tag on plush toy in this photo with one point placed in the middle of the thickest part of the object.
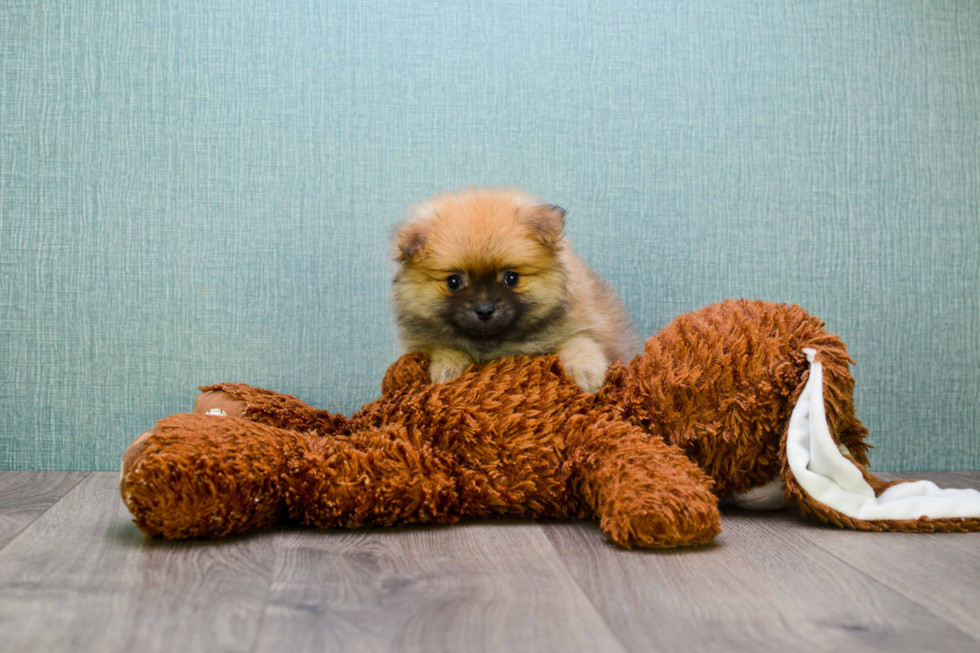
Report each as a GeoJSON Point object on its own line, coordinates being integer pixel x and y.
{"type": "Point", "coordinates": [764, 497]}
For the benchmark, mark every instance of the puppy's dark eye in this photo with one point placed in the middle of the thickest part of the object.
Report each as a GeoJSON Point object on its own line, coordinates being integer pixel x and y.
{"type": "Point", "coordinates": [455, 282]}
{"type": "Point", "coordinates": [511, 278]}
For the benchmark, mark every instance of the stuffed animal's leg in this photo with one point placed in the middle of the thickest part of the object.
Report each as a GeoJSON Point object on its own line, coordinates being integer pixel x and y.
{"type": "Point", "coordinates": [373, 477]}
{"type": "Point", "coordinates": [205, 476]}
{"type": "Point", "coordinates": [208, 476]}
{"type": "Point", "coordinates": [267, 407]}
{"type": "Point", "coordinates": [646, 493]}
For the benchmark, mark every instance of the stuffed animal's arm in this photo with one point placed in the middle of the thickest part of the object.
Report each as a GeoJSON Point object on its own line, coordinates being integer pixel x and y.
{"type": "Point", "coordinates": [288, 412]}
{"type": "Point", "coordinates": [267, 407]}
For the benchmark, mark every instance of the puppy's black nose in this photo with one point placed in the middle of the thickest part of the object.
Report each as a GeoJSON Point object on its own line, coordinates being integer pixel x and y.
{"type": "Point", "coordinates": [485, 311]}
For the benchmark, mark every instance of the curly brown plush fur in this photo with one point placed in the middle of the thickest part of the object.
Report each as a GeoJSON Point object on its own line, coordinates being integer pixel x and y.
{"type": "Point", "coordinates": [699, 415]}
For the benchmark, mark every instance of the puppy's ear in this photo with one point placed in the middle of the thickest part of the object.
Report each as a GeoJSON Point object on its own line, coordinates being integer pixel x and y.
{"type": "Point", "coordinates": [547, 221]}
{"type": "Point", "coordinates": [409, 241]}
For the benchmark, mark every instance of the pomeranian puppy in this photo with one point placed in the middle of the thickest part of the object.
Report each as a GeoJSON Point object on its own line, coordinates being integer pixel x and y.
{"type": "Point", "coordinates": [487, 273]}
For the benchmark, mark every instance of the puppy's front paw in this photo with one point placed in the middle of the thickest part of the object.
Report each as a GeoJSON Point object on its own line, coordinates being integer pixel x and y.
{"type": "Point", "coordinates": [442, 372]}
{"type": "Point", "coordinates": [447, 365]}
{"type": "Point", "coordinates": [585, 363]}
{"type": "Point", "coordinates": [589, 379]}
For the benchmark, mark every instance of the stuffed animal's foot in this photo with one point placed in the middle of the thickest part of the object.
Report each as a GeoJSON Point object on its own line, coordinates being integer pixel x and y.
{"type": "Point", "coordinates": [686, 516]}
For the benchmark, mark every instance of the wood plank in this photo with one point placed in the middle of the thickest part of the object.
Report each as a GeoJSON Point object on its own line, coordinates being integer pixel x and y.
{"type": "Point", "coordinates": [759, 587]}
{"type": "Point", "coordinates": [942, 479]}
{"type": "Point", "coordinates": [484, 586]}
{"type": "Point", "coordinates": [939, 571]}
{"type": "Point", "coordinates": [24, 496]}
{"type": "Point", "coordinates": [82, 578]}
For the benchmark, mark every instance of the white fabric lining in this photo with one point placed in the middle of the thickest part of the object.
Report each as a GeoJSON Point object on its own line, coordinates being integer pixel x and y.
{"type": "Point", "coordinates": [833, 480]}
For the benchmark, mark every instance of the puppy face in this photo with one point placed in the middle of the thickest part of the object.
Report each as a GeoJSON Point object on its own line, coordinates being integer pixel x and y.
{"type": "Point", "coordinates": [479, 268]}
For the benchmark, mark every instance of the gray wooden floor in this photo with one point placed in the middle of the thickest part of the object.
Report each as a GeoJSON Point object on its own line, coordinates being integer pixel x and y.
{"type": "Point", "coordinates": [76, 575]}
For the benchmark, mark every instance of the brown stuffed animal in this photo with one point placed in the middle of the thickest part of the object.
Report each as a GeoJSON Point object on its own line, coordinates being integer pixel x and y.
{"type": "Point", "coordinates": [707, 411]}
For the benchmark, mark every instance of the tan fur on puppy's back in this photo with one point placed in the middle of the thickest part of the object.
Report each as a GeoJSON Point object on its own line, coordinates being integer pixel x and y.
{"type": "Point", "coordinates": [603, 313]}
{"type": "Point", "coordinates": [481, 236]}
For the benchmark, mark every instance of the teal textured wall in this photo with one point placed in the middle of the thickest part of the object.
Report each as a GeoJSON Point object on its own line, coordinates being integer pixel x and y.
{"type": "Point", "coordinates": [193, 192]}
